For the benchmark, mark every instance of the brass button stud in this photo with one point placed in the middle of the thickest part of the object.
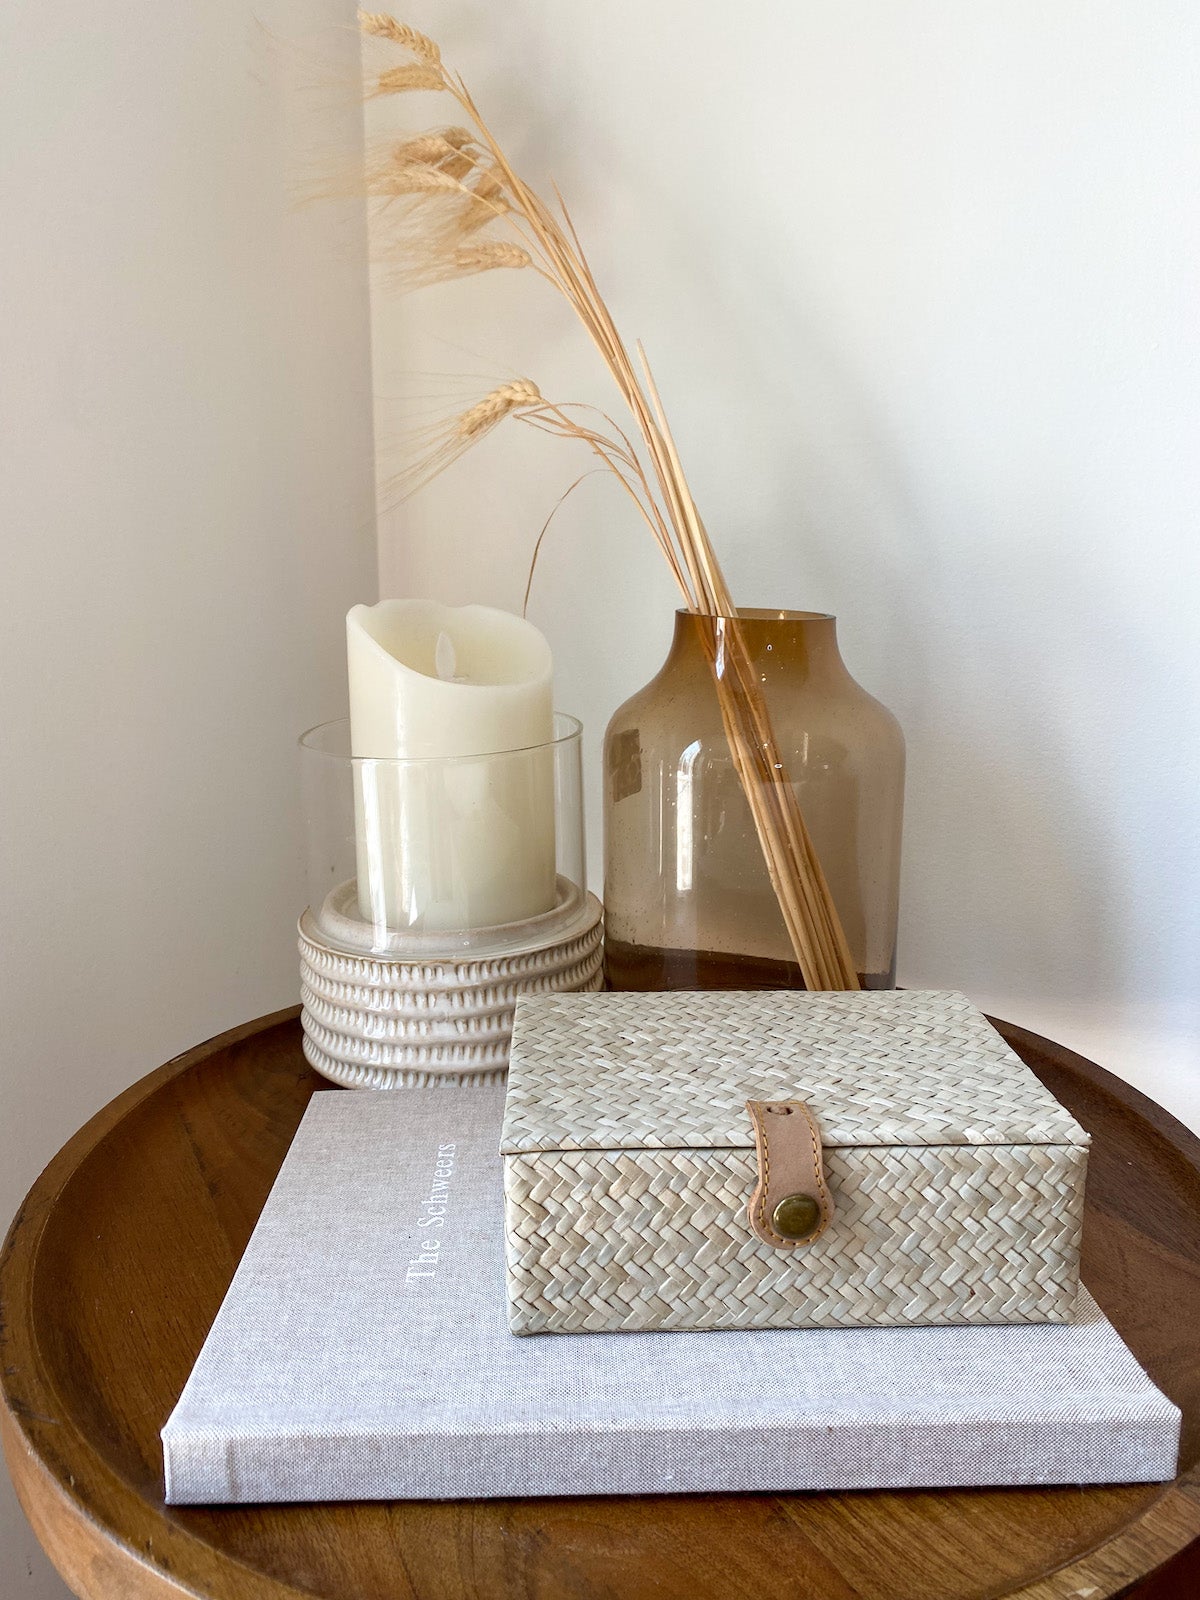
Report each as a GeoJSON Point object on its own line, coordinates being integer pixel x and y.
{"type": "Point", "coordinates": [796, 1216]}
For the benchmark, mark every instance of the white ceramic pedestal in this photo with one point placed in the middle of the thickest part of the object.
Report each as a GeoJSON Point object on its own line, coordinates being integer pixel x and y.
{"type": "Point", "coordinates": [442, 1017]}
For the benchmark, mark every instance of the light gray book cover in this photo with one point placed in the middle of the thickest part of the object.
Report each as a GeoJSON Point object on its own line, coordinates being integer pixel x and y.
{"type": "Point", "coordinates": [363, 1352]}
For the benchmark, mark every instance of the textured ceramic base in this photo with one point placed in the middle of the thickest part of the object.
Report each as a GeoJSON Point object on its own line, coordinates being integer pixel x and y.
{"type": "Point", "coordinates": [377, 1023]}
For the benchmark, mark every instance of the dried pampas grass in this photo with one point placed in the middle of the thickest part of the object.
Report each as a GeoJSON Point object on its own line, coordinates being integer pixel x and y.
{"type": "Point", "coordinates": [379, 25]}
{"type": "Point", "coordinates": [453, 205]}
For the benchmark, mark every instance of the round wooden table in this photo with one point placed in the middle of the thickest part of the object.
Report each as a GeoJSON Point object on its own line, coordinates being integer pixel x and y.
{"type": "Point", "coordinates": [119, 1258]}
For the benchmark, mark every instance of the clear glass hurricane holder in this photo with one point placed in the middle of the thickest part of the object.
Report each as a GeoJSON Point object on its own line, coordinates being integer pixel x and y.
{"type": "Point", "coordinates": [440, 891]}
{"type": "Point", "coordinates": [444, 855]}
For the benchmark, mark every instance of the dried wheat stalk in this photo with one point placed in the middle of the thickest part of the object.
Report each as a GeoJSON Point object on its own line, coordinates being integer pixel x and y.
{"type": "Point", "coordinates": [454, 206]}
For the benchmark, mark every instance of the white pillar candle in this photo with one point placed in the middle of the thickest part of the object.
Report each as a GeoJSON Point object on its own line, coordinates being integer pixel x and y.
{"type": "Point", "coordinates": [465, 841]}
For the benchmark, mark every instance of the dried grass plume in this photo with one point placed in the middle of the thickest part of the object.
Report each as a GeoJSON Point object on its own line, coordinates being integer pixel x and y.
{"type": "Point", "coordinates": [452, 205]}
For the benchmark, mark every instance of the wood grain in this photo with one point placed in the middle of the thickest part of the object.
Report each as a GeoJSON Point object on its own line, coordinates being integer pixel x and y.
{"type": "Point", "coordinates": [119, 1258]}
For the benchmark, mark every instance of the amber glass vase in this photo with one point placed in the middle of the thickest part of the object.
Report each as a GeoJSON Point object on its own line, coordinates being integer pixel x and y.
{"type": "Point", "coordinates": [687, 897]}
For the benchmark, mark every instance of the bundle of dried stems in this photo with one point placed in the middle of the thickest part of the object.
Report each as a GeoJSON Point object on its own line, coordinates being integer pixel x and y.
{"type": "Point", "coordinates": [453, 205]}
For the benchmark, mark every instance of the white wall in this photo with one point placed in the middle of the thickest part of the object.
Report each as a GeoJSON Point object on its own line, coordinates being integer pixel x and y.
{"type": "Point", "coordinates": [185, 476]}
{"type": "Point", "coordinates": [919, 285]}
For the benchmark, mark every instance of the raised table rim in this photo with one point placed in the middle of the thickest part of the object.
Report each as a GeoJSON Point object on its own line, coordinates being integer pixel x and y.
{"type": "Point", "coordinates": [91, 1526]}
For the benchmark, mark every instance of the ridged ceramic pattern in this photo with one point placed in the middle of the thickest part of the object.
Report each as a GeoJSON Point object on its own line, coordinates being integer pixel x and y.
{"type": "Point", "coordinates": [373, 1023]}
{"type": "Point", "coordinates": [357, 1075]}
{"type": "Point", "coordinates": [369, 972]}
{"type": "Point", "coordinates": [407, 1002]}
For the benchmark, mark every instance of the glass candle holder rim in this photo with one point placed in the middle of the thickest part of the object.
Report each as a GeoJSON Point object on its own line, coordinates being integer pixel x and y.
{"type": "Point", "coordinates": [571, 731]}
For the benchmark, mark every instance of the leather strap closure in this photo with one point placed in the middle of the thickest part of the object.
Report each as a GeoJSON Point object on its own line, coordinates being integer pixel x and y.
{"type": "Point", "coordinates": [791, 1205]}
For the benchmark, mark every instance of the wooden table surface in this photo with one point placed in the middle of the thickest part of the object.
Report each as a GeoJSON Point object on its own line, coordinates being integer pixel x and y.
{"type": "Point", "coordinates": [119, 1258]}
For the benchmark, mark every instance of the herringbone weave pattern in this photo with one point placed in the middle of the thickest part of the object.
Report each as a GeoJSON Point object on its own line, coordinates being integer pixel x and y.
{"type": "Point", "coordinates": [647, 1071]}
{"type": "Point", "coordinates": [658, 1240]}
{"type": "Point", "coordinates": [957, 1178]}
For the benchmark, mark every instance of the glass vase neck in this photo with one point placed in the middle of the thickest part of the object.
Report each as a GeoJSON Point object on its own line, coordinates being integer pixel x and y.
{"type": "Point", "coordinates": [798, 642]}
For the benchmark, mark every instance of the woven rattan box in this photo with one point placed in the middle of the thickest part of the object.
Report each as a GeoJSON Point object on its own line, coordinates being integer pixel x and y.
{"type": "Point", "coordinates": [777, 1160]}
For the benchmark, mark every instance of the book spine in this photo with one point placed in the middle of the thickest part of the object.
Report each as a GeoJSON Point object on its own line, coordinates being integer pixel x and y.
{"type": "Point", "coordinates": [970, 1452]}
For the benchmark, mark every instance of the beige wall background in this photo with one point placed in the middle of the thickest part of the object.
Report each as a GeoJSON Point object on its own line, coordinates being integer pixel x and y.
{"type": "Point", "coordinates": [919, 284]}
{"type": "Point", "coordinates": [185, 464]}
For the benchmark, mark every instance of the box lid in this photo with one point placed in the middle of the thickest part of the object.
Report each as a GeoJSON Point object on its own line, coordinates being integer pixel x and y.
{"type": "Point", "coordinates": [674, 1071]}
